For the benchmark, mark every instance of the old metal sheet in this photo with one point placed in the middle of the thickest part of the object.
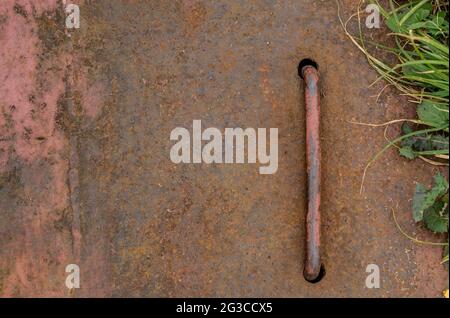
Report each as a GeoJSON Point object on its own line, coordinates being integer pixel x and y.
{"type": "Point", "coordinates": [86, 177]}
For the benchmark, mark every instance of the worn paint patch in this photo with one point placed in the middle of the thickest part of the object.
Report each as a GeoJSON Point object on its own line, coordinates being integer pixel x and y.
{"type": "Point", "coordinates": [37, 69]}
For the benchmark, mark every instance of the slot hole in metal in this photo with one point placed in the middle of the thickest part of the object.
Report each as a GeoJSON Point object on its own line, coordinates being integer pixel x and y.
{"type": "Point", "coordinates": [319, 277]}
{"type": "Point", "coordinates": [306, 62]}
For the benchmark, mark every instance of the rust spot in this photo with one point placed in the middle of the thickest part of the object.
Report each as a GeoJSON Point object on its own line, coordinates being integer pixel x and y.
{"type": "Point", "coordinates": [195, 13]}
{"type": "Point", "coordinates": [20, 10]}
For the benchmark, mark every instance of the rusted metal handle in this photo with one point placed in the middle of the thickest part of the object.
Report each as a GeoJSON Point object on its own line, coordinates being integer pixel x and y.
{"type": "Point", "coordinates": [312, 262]}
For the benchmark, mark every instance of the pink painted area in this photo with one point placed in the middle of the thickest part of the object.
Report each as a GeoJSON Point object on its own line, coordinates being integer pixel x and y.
{"type": "Point", "coordinates": [32, 110]}
{"type": "Point", "coordinates": [19, 51]}
{"type": "Point", "coordinates": [30, 88]}
{"type": "Point", "coordinates": [27, 123]}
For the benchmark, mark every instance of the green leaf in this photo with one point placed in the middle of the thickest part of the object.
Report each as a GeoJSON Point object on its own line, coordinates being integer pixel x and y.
{"type": "Point", "coordinates": [434, 220]}
{"type": "Point", "coordinates": [406, 128]}
{"type": "Point", "coordinates": [422, 142]}
{"type": "Point", "coordinates": [440, 183]}
{"type": "Point", "coordinates": [439, 142]}
{"type": "Point", "coordinates": [432, 114]}
{"type": "Point", "coordinates": [425, 199]}
{"type": "Point", "coordinates": [417, 13]}
{"type": "Point", "coordinates": [439, 189]}
{"type": "Point", "coordinates": [437, 26]}
{"type": "Point", "coordinates": [407, 152]}
{"type": "Point", "coordinates": [393, 25]}
{"type": "Point", "coordinates": [419, 196]}
{"type": "Point", "coordinates": [401, 22]}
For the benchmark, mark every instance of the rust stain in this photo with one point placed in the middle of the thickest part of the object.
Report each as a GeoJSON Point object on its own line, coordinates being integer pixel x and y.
{"type": "Point", "coordinates": [195, 14]}
{"type": "Point", "coordinates": [266, 86]}
{"type": "Point", "coordinates": [228, 60]}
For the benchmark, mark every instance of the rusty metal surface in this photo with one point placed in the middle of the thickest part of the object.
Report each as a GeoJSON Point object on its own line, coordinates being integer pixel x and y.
{"type": "Point", "coordinates": [312, 261]}
{"type": "Point", "coordinates": [86, 178]}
